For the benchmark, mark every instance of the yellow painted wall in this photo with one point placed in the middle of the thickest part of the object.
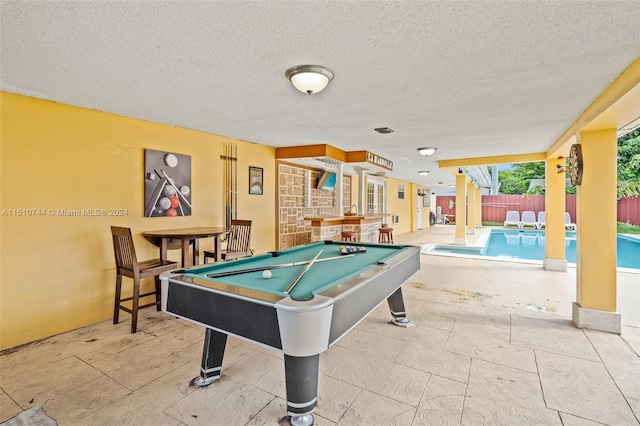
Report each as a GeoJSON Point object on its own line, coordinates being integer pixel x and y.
{"type": "Point", "coordinates": [354, 189]}
{"type": "Point", "coordinates": [57, 273]}
{"type": "Point", "coordinates": [403, 208]}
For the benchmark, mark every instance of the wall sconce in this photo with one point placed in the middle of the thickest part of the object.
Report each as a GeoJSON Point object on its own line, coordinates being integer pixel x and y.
{"type": "Point", "coordinates": [309, 78]}
{"type": "Point", "coordinates": [427, 151]}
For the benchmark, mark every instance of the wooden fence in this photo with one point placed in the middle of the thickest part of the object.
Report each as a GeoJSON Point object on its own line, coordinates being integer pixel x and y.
{"type": "Point", "coordinates": [495, 207]}
{"type": "Point", "coordinates": [629, 210]}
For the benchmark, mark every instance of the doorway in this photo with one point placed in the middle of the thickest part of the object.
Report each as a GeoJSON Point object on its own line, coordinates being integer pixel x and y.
{"type": "Point", "coordinates": [376, 196]}
{"type": "Point", "coordinates": [419, 202]}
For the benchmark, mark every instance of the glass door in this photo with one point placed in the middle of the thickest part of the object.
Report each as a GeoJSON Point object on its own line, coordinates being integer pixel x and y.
{"type": "Point", "coordinates": [376, 196]}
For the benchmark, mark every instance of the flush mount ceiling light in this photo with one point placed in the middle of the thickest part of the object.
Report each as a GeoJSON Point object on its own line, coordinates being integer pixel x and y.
{"type": "Point", "coordinates": [309, 78]}
{"type": "Point", "coordinates": [427, 151]}
{"type": "Point", "coordinates": [423, 172]}
{"type": "Point", "coordinates": [384, 130]}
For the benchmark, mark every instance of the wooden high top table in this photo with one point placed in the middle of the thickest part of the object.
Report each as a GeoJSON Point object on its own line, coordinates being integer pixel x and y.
{"type": "Point", "coordinates": [180, 238]}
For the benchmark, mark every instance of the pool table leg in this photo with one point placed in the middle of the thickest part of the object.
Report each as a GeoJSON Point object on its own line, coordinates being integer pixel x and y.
{"type": "Point", "coordinates": [301, 374]}
{"type": "Point", "coordinates": [396, 306]}
{"type": "Point", "coordinates": [212, 354]}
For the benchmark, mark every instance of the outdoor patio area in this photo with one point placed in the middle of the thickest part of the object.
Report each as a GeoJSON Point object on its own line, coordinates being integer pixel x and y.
{"type": "Point", "coordinates": [493, 344]}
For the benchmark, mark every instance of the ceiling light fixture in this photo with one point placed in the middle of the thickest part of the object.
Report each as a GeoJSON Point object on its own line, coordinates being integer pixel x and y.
{"type": "Point", "coordinates": [427, 151]}
{"type": "Point", "coordinates": [309, 78]}
{"type": "Point", "coordinates": [384, 130]}
{"type": "Point", "coordinates": [423, 172]}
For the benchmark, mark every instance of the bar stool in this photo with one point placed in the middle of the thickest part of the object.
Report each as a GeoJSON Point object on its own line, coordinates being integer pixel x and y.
{"type": "Point", "coordinates": [385, 235]}
{"type": "Point", "coordinates": [349, 236]}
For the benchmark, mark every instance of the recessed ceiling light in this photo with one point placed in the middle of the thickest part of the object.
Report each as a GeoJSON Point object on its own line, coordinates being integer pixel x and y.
{"type": "Point", "coordinates": [427, 151]}
{"type": "Point", "coordinates": [423, 172]}
{"type": "Point", "coordinates": [384, 130]}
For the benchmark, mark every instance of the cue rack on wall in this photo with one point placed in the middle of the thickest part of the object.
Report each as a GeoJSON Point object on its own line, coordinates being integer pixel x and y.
{"type": "Point", "coordinates": [230, 170]}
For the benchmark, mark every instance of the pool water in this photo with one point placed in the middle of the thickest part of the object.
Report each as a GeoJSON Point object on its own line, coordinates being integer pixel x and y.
{"type": "Point", "coordinates": [525, 244]}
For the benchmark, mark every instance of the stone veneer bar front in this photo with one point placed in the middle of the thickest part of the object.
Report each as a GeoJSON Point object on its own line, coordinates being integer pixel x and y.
{"type": "Point", "coordinates": [329, 228]}
{"type": "Point", "coordinates": [294, 206]}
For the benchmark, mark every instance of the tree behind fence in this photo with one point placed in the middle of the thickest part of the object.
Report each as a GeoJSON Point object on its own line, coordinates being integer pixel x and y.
{"type": "Point", "coordinates": [495, 207]}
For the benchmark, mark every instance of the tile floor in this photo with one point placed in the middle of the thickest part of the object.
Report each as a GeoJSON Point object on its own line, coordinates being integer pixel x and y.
{"type": "Point", "coordinates": [481, 353]}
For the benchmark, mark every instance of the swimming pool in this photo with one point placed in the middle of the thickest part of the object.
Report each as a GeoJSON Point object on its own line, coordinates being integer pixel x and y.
{"type": "Point", "coordinates": [529, 244]}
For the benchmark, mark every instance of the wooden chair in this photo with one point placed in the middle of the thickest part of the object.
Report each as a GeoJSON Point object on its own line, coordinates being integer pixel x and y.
{"type": "Point", "coordinates": [127, 265]}
{"type": "Point", "coordinates": [238, 242]}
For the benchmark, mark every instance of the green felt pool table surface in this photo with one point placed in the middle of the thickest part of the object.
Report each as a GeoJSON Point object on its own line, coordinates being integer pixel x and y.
{"type": "Point", "coordinates": [321, 275]}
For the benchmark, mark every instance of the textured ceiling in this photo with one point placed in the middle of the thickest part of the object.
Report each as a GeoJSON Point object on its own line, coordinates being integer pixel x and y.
{"type": "Point", "coordinates": [470, 78]}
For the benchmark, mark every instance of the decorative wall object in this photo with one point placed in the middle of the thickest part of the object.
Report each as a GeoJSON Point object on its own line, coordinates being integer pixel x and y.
{"type": "Point", "coordinates": [230, 169]}
{"type": "Point", "coordinates": [167, 184]}
{"type": "Point", "coordinates": [255, 180]}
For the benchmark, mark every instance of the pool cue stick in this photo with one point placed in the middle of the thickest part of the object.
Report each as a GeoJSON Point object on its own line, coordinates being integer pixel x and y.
{"type": "Point", "coordinates": [304, 271]}
{"type": "Point", "coordinates": [176, 189]}
{"type": "Point", "coordinates": [159, 188]}
{"type": "Point", "coordinates": [278, 266]}
{"type": "Point", "coordinates": [168, 182]}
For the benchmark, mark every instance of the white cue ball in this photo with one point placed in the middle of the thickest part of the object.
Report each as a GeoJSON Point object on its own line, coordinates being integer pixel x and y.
{"type": "Point", "coordinates": [266, 274]}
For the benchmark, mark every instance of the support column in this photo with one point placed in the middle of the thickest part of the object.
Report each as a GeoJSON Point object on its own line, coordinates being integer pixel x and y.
{"type": "Point", "coordinates": [362, 203]}
{"type": "Point", "coordinates": [555, 257]}
{"type": "Point", "coordinates": [461, 210]}
{"type": "Point", "coordinates": [478, 207]}
{"type": "Point", "coordinates": [595, 305]}
{"type": "Point", "coordinates": [471, 208]}
{"type": "Point", "coordinates": [338, 192]}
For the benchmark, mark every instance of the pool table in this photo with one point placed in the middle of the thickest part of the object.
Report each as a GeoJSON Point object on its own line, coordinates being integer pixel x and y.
{"type": "Point", "coordinates": [332, 294]}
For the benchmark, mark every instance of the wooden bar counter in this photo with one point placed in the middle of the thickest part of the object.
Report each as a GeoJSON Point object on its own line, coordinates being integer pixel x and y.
{"type": "Point", "coordinates": [330, 227]}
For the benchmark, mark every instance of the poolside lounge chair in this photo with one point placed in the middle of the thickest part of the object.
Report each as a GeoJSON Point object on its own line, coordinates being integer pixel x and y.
{"type": "Point", "coordinates": [528, 219]}
{"type": "Point", "coordinates": [567, 222]}
{"type": "Point", "coordinates": [513, 218]}
{"type": "Point", "coordinates": [542, 217]}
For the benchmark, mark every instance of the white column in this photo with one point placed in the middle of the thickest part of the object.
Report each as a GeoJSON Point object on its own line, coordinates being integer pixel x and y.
{"type": "Point", "coordinates": [361, 202]}
{"type": "Point", "coordinates": [338, 195]}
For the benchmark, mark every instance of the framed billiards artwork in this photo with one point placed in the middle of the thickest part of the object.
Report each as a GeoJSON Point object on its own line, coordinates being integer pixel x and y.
{"type": "Point", "coordinates": [255, 180]}
{"type": "Point", "coordinates": [167, 184]}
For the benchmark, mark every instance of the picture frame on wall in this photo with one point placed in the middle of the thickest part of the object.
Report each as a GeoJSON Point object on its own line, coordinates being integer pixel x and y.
{"type": "Point", "coordinates": [167, 184]}
{"type": "Point", "coordinates": [255, 180]}
{"type": "Point", "coordinates": [426, 199]}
